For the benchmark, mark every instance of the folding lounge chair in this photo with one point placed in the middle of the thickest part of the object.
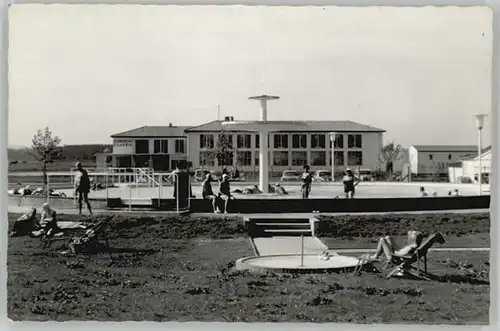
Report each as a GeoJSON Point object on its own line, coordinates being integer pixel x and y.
{"type": "Point", "coordinates": [404, 264]}
{"type": "Point", "coordinates": [89, 241]}
{"type": "Point", "coordinates": [78, 234]}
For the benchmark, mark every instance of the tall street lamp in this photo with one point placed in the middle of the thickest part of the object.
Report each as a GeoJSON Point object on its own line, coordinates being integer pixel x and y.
{"type": "Point", "coordinates": [332, 140]}
{"type": "Point", "coordinates": [480, 125]}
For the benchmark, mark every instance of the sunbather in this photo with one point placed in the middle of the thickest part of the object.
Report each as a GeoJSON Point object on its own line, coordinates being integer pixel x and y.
{"type": "Point", "coordinates": [25, 224]}
{"type": "Point", "coordinates": [48, 222]}
{"type": "Point", "coordinates": [389, 248]}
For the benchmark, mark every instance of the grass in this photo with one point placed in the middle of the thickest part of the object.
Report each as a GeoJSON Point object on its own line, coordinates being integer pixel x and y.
{"type": "Point", "coordinates": [179, 269]}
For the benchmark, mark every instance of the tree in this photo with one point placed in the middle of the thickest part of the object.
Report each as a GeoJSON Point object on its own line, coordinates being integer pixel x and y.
{"type": "Point", "coordinates": [224, 152]}
{"type": "Point", "coordinates": [389, 154]}
{"type": "Point", "coordinates": [46, 148]}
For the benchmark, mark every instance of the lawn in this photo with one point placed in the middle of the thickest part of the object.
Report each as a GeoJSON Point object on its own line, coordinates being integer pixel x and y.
{"type": "Point", "coordinates": [179, 269]}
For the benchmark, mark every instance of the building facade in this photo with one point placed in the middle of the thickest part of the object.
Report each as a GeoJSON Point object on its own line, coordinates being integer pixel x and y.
{"type": "Point", "coordinates": [425, 159]}
{"type": "Point", "coordinates": [158, 147]}
{"type": "Point", "coordinates": [468, 168]}
{"type": "Point", "coordinates": [356, 145]}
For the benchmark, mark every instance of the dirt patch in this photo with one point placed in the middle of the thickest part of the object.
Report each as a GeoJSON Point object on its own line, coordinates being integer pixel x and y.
{"type": "Point", "coordinates": [369, 226]}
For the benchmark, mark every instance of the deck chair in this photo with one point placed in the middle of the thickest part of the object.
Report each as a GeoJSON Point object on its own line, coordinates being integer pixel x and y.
{"type": "Point", "coordinates": [404, 264]}
{"type": "Point", "coordinates": [90, 240]}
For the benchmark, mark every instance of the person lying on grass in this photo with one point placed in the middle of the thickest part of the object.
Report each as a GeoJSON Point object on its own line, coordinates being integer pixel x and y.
{"type": "Point", "coordinates": [48, 223]}
{"type": "Point", "coordinates": [25, 224]}
{"type": "Point", "coordinates": [389, 248]}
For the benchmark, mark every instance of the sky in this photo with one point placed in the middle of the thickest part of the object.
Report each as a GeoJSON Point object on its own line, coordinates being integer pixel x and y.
{"type": "Point", "coordinates": [89, 71]}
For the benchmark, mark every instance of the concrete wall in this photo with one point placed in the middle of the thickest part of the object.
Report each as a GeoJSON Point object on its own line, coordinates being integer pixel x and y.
{"type": "Point", "coordinates": [371, 146]}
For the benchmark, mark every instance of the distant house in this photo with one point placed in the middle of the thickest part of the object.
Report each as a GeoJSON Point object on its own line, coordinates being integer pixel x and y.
{"type": "Point", "coordinates": [435, 159]}
{"type": "Point", "coordinates": [158, 147]}
{"type": "Point", "coordinates": [467, 169]}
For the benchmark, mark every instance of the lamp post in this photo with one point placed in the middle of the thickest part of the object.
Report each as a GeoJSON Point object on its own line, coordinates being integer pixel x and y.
{"type": "Point", "coordinates": [480, 125]}
{"type": "Point", "coordinates": [332, 140]}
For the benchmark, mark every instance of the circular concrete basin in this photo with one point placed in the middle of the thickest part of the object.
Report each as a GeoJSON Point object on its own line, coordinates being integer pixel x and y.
{"type": "Point", "coordinates": [292, 263]}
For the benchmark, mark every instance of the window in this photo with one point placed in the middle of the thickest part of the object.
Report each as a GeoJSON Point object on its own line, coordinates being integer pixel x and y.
{"type": "Point", "coordinates": [354, 158]}
{"type": "Point", "coordinates": [299, 158]}
{"type": "Point", "coordinates": [280, 141]}
{"type": "Point", "coordinates": [430, 157]}
{"type": "Point", "coordinates": [206, 141]}
{"type": "Point", "coordinates": [180, 146]}
{"type": "Point", "coordinates": [244, 158]}
{"type": "Point", "coordinates": [339, 141]}
{"type": "Point", "coordinates": [226, 139]}
{"type": "Point", "coordinates": [244, 141]}
{"type": "Point", "coordinates": [339, 158]}
{"type": "Point", "coordinates": [318, 158]}
{"type": "Point", "coordinates": [142, 146]}
{"type": "Point", "coordinates": [354, 141]}
{"type": "Point", "coordinates": [280, 158]}
{"type": "Point", "coordinates": [449, 156]}
{"type": "Point", "coordinates": [207, 158]}
{"type": "Point", "coordinates": [299, 141]}
{"type": "Point", "coordinates": [161, 147]}
{"type": "Point", "coordinates": [318, 141]}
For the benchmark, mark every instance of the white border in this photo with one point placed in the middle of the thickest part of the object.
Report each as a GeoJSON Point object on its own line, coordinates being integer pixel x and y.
{"type": "Point", "coordinates": [6, 325]}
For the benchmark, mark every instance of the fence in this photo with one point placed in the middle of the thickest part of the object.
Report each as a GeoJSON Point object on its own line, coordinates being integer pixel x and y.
{"type": "Point", "coordinates": [114, 184]}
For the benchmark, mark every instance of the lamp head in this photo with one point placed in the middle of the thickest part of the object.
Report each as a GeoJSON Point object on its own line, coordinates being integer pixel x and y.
{"type": "Point", "coordinates": [480, 120]}
{"type": "Point", "coordinates": [332, 136]}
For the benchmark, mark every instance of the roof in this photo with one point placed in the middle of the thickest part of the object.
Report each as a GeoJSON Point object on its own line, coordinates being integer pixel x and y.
{"type": "Point", "coordinates": [307, 126]}
{"type": "Point", "coordinates": [153, 131]}
{"type": "Point", "coordinates": [446, 148]}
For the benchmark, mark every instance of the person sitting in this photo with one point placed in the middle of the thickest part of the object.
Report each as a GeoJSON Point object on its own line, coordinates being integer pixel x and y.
{"type": "Point", "coordinates": [48, 222]}
{"type": "Point", "coordinates": [422, 192]}
{"type": "Point", "coordinates": [208, 194]}
{"type": "Point", "coordinates": [25, 224]}
{"type": "Point", "coordinates": [389, 248]}
{"type": "Point", "coordinates": [225, 191]}
{"type": "Point", "coordinates": [454, 193]}
{"type": "Point", "coordinates": [434, 194]}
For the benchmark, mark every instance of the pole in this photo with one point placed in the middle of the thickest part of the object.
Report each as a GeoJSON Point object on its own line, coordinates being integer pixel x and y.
{"type": "Point", "coordinates": [480, 175]}
{"type": "Point", "coordinates": [48, 188]}
{"type": "Point", "coordinates": [177, 190]}
{"type": "Point", "coordinates": [107, 193]}
{"type": "Point", "coordinates": [333, 159]}
{"type": "Point", "coordinates": [130, 197]}
{"type": "Point", "coordinates": [302, 251]}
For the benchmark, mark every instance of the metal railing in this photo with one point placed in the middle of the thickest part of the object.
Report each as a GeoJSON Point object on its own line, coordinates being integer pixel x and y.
{"type": "Point", "coordinates": [127, 189]}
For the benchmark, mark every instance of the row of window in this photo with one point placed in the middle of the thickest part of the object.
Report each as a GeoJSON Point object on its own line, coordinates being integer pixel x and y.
{"type": "Point", "coordinates": [281, 140]}
{"type": "Point", "coordinates": [160, 146]}
{"type": "Point", "coordinates": [280, 158]}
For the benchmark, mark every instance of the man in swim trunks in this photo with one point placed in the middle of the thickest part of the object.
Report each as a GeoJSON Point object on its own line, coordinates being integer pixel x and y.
{"type": "Point", "coordinates": [306, 182]}
{"type": "Point", "coordinates": [349, 183]}
{"type": "Point", "coordinates": [82, 185]}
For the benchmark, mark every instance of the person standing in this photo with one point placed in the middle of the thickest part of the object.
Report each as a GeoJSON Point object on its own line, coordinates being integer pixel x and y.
{"type": "Point", "coordinates": [306, 182]}
{"type": "Point", "coordinates": [349, 183]}
{"type": "Point", "coordinates": [82, 185]}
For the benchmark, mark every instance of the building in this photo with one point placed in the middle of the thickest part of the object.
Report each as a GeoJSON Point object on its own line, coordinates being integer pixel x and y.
{"type": "Point", "coordinates": [435, 159]}
{"type": "Point", "coordinates": [356, 145]}
{"type": "Point", "coordinates": [467, 169]}
{"type": "Point", "coordinates": [159, 147]}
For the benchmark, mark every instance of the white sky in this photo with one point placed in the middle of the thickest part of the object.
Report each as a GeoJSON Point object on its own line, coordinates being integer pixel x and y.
{"type": "Point", "coordinates": [88, 71]}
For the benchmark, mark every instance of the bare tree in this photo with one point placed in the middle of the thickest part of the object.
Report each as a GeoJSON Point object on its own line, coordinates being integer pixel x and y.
{"type": "Point", "coordinates": [46, 148]}
{"type": "Point", "coordinates": [389, 154]}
